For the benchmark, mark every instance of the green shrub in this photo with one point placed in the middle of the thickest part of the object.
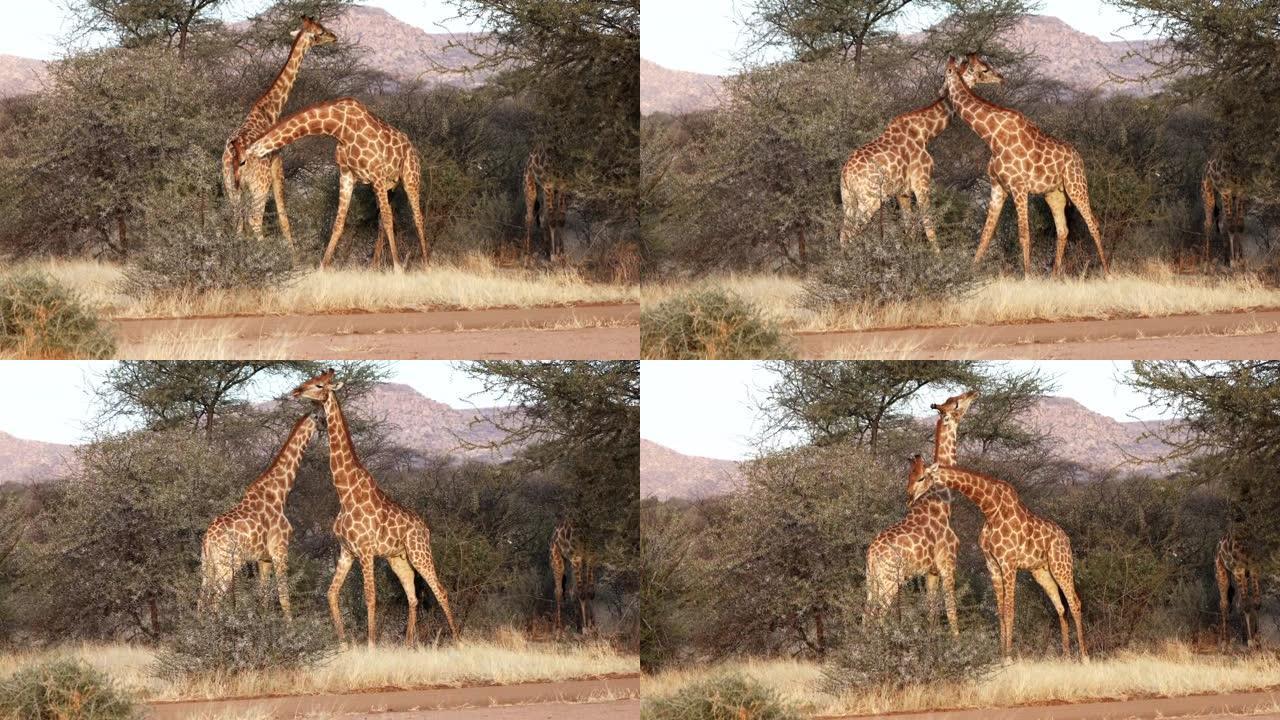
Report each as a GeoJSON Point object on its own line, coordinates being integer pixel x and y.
{"type": "Point", "coordinates": [63, 689]}
{"type": "Point", "coordinates": [729, 697]}
{"type": "Point", "coordinates": [709, 325]}
{"type": "Point", "coordinates": [907, 653]}
{"type": "Point", "coordinates": [897, 265]}
{"type": "Point", "coordinates": [251, 636]}
{"type": "Point", "coordinates": [41, 319]}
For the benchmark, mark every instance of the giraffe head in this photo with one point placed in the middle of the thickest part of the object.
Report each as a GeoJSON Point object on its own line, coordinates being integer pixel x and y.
{"type": "Point", "coordinates": [314, 33]}
{"type": "Point", "coordinates": [956, 406]}
{"type": "Point", "coordinates": [976, 71]}
{"type": "Point", "coordinates": [916, 475]}
{"type": "Point", "coordinates": [930, 478]}
{"type": "Point", "coordinates": [319, 388]}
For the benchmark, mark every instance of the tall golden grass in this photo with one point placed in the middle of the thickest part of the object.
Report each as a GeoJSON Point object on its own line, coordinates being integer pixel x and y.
{"type": "Point", "coordinates": [1168, 671]}
{"type": "Point", "coordinates": [505, 659]}
{"type": "Point", "coordinates": [1153, 291]}
{"type": "Point", "coordinates": [468, 283]}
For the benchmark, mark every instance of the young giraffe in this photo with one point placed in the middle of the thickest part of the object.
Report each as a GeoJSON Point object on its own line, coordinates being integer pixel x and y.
{"type": "Point", "coordinates": [582, 579]}
{"type": "Point", "coordinates": [1014, 538]}
{"type": "Point", "coordinates": [1218, 183]}
{"type": "Point", "coordinates": [258, 175]}
{"type": "Point", "coordinates": [1232, 565]}
{"type": "Point", "coordinates": [370, 524]}
{"type": "Point", "coordinates": [1024, 161]}
{"type": "Point", "coordinates": [256, 528]}
{"type": "Point", "coordinates": [923, 543]}
{"type": "Point", "coordinates": [552, 215]}
{"type": "Point", "coordinates": [897, 163]}
{"type": "Point", "coordinates": [369, 151]}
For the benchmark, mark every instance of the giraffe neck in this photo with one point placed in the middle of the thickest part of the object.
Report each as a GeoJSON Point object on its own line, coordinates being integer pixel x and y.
{"type": "Point", "coordinates": [932, 118]}
{"type": "Point", "coordinates": [344, 464]}
{"type": "Point", "coordinates": [315, 120]}
{"type": "Point", "coordinates": [972, 108]}
{"type": "Point", "coordinates": [562, 539]}
{"type": "Point", "coordinates": [271, 104]}
{"type": "Point", "coordinates": [990, 495]}
{"type": "Point", "coordinates": [276, 482]}
{"type": "Point", "coordinates": [944, 441]}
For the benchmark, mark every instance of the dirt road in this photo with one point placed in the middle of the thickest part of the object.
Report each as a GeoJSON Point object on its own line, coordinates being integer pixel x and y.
{"type": "Point", "coordinates": [1222, 336]}
{"type": "Point", "coordinates": [579, 332]}
{"type": "Point", "coordinates": [615, 710]}
{"type": "Point", "coordinates": [1195, 706]}
{"type": "Point", "coordinates": [566, 696]}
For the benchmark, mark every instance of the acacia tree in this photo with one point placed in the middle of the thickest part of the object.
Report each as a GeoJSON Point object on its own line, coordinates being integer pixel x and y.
{"type": "Point", "coordinates": [815, 29]}
{"type": "Point", "coordinates": [144, 22]}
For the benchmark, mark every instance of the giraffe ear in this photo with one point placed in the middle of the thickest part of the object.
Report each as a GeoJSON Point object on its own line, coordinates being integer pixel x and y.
{"type": "Point", "coordinates": [295, 34]}
{"type": "Point", "coordinates": [337, 386]}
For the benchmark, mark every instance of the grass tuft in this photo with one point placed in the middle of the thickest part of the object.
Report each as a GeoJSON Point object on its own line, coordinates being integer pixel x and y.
{"type": "Point", "coordinates": [63, 688]}
{"type": "Point", "coordinates": [727, 697]}
{"type": "Point", "coordinates": [708, 325]}
{"type": "Point", "coordinates": [41, 319]}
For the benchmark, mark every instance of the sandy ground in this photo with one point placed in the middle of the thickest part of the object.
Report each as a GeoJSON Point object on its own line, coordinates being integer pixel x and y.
{"type": "Point", "coordinates": [614, 710]}
{"type": "Point", "coordinates": [416, 703]}
{"type": "Point", "coordinates": [1223, 336]}
{"type": "Point", "coordinates": [570, 333]}
{"type": "Point", "coordinates": [1198, 706]}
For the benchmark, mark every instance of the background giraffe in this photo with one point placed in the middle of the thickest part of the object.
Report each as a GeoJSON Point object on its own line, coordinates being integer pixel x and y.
{"type": "Point", "coordinates": [256, 528]}
{"type": "Point", "coordinates": [923, 543]}
{"type": "Point", "coordinates": [582, 577]}
{"type": "Point", "coordinates": [551, 216]}
{"type": "Point", "coordinates": [369, 151]}
{"type": "Point", "coordinates": [1014, 538]}
{"type": "Point", "coordinates": [1226, 195]}
{"type": "Point", "coordinates": [1233, 566]}
{"type": "Point", "coordinates": [1024, 161]}
{"type": "Point", "coordinates": [370, 524]}
{"type": "Point", "coordinates": [257, 175]}
{"type": "Point", "coordinates": [897, 163]}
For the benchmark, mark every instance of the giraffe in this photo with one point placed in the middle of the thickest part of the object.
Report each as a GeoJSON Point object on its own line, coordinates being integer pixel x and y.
{"type": "Point", "coordinates": [1220, 190]}
{"type": "Point", "coordinates": [582, 578]}
{"type": "Point", "coordinates": [923, 542]}
{"type": "Point", "coordinates": [370, 524]}
{"type": "Point", "coordinates": [258, 175]}
{"type": "Point", "coordinates": [1014, 538]}
{"type": "Point", "coordinates": [1233, 566]}
{"type": "Point", "coordinates": [369, 151]}
{"type": "Point", "coordinates": [898, 163]}
{"type": "Point", "coordinates": [1024, 161]}
{"type": "Point", "coordinates": [256, 528]}
{"type": "Point", "coordinates": [551, 218]}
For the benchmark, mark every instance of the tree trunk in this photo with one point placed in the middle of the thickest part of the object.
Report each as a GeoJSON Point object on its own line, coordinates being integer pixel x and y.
{"type": "Point", "coordinates": [802, 247]}
{"type": "Point", "coordinates": [122, 237]}
{"type": "Point", "coordinates": [154, 614]}
{"type": "Point", "coordinates": [820, 631]}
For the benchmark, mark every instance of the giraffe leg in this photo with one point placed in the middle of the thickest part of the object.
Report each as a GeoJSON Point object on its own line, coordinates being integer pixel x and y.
{"type": "Point", "coordinates": [1064, 576]}
{"type": "Point", "coordinates": [413, 188]}
{"type": "Point", "coordinates": [280, 561]}
{"type": "Point", "coordinates": [1024, 231]}
{"type": "Point", "coordinates": [904, 209]}
{"type": "Point", "coordinates": [1079, 195]}
{"type": "Point", "coordinates": [1256, 602]}
{"type": "Point", "coordinates": [420, 556]}
{"type": "Point", "coordinates": [345, 558]}
{"type": "Point", "coordinates": [1045, 579]}
{"type": "Point", "coordinates": [387, 219]}
{"type": "Point", "coordinates": [264, 579]}
{"type": "Point", "coordinates": [1010, 583]}
{"type": "Point", "coordinates": [530, 207]}
{"type": "Point", "coordinates": [1057, 201]}
{"type": "Point", "coordinates": [1241, 580]}
{"type": "Point", "coordinates": [921, 190]}
{"type": "Point", "coordinates": [259, 192]}
{"type": "Point", "coordinates": [1209, 198]}
{"type": "Point", "coordinates": [1224, 597]}
{"type": "Point", "coordinates": [277, 187]}
{"type": "Point", "coordinates": [993, 219]}
{"type": "Point", "coordinates": [403, 570]}
{"type": "Point", "coordinates": [231, 188]}
{"type": "Point", "coordinates": [346, 185]}
{"type": "Point", "coordinates": [367, 570]}
{"type": "Point", "coordinates": [949, 596]}
{"type": "Point", "coordinates": [931, 598]}
{"type": "Point", "coordinates": [997, 587]}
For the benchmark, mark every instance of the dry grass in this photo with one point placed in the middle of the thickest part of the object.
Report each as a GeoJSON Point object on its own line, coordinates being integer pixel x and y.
{"type": "Point", "coordinates": [1153, 292]}
{"type": "Point", "coordinates": [474, 282]}
{"type": "Point", "coordinates": [1170, 671]}
{"type": "Point", "coordinates": [205, 344]}
{"type": "Point", "coordinates": [505, 660]}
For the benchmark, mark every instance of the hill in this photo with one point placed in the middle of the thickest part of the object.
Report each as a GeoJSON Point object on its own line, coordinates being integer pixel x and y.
{"type": "Point", "coordinates": [28, 462]}
{"type": "Point", "coordinates": [665, 473]}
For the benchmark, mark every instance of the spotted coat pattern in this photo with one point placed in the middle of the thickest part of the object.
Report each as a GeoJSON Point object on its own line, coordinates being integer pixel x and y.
{"type": "Point", "coordinates": [1025, 160]}
{"type": "Point", "coordinates": [256, 529]}
{"type": "Point", "coordinates": [369, 151]}
{"type": "Point", "coordinates": [370, 524]}
{"type": "Point", "coordinates": [1225, 198]}
{"type": "Point", "coordinates": [550, 213]}
{"type": "Point", "coordinates": [1233, 566]}
{"type": "Point", "coordinates": [581, 575]}
{"type": "Point", "coordinates": [1014, 538]}
{"type": "Point", "coordinates": [258, 175]}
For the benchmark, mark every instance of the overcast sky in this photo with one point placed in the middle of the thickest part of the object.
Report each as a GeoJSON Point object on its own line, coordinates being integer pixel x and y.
{"type": "Point", "coordinates": [50, 400]}
{"type": "Point", "coordinates": [31, 28]}
{"type": "Point", "coordinates": [707, 408]}
{"type": "Point", "coordinates": [704, 35]}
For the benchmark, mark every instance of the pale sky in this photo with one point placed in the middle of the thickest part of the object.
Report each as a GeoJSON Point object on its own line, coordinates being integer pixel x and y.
{"type": "Point", "coordinates": [49, 400]}
{"type": "Point", "coordinates": [704, 35]}
{"type": "Point", "coordinates": [706, 408]}
{"type": "Point", "coordinates": [32, 28]}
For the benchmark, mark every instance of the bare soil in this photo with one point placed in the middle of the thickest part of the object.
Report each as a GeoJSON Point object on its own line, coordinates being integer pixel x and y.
{"type": "Point", "coordinates": [612, 710]}
{"type": "Point", "coordinates": [564, 695]}
{"type": "Point", "coordinates": [1219, 336]}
